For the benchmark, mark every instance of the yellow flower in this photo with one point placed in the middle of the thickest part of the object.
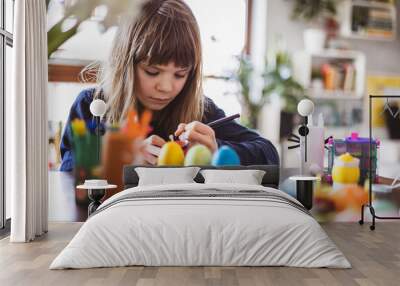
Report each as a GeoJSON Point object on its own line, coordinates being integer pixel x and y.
{"type": "Point", "coordinates": [78, 127]}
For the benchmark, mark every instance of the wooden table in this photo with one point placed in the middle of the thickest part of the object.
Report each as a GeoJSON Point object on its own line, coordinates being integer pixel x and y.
{"type": "Point", "coordinates": [64, 207]}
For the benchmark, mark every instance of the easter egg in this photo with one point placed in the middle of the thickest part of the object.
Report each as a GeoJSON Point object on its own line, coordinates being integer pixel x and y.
{"type": "Point", "coordinates": [198, 155]}
{"type": "Point", "coordinates": [171, 153]}
{"type": "Point", "coordinates": [225, 155]}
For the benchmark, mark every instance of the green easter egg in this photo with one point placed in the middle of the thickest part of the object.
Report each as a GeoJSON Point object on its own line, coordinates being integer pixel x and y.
{"type": "Point", "coordinates": [198, 155]}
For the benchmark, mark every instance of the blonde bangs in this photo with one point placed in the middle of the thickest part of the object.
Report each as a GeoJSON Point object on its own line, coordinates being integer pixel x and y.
{"type": "Point", "coordinates": [169, 40]}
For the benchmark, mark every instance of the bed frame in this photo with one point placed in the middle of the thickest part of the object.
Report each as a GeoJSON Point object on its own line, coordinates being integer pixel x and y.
{"type": "Point", "coordinates": [270, 179]}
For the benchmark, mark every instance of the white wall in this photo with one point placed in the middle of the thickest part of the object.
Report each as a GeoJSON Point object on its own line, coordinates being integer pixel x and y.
{"type": "Point", "coordinates": [61, 97]}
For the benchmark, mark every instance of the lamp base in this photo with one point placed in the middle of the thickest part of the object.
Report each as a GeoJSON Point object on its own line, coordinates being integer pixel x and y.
{"type": "Point", "coordinates": [95, 195]}
{"type": "Point", "coordinates": [305, 190]}
{"type": "Point", "coordinates": [304, 193]}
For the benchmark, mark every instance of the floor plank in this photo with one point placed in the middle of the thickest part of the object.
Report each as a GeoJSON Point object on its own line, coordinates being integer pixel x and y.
{"type": "Point", "coordinates": [374, 255]}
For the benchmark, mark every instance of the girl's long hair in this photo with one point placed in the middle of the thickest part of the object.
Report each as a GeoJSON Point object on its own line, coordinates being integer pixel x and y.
{"type": "Point", "coordinates": [165, 31]}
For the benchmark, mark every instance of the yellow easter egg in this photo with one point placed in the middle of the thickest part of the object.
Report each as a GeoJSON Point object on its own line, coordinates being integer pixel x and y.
{"type": "Point", "coordinates": [171, 154]}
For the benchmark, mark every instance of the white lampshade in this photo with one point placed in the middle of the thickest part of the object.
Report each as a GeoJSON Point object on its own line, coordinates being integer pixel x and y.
{"type": "Point", "coordinates": [98, 107]}
{"type": "Point", "coordinates": [305, 107]}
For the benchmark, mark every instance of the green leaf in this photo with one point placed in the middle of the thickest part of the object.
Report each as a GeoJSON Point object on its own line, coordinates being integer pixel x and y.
{"type": "Point", "coordinates": [56, 37]}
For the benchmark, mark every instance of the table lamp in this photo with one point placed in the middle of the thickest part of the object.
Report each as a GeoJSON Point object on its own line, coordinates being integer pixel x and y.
{"type": "Point", "coordinates": [305, 108]}
{"type": "Point", "coordinates": [304, 184]}
{"type": "Point", "coordinates": [98, 109]}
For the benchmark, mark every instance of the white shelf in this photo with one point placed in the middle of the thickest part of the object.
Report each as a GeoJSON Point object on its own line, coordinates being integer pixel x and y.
{"type": "Point", "coordinates": [303, 63]}
{"type": "Point", "coordinates": [345, 14]}
{"type": "Point", "coordinates": [333, 94]}
{"type": "Point", "coordinates": [337, 54]}
{"type": "Point", "coordinates": [338, 105]}
{"type": "Point", "coordinates": [372, 4]}
{"type": "Point", "coordinates": [366, 37]}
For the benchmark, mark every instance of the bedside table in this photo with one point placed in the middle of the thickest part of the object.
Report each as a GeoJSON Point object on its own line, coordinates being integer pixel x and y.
{"type": "Point", "coordinates": [96, 191]}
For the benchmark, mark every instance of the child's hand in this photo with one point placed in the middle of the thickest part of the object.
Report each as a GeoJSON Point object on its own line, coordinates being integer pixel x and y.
{"type": "Point", "coordinates": [151, 148]}
{"type": "Point", "coordinates": [197, 132]}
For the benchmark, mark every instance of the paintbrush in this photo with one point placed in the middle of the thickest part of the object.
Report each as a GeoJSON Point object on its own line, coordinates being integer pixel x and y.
{"type": "Point", "coordinates": [217, 123]}
{"type": "Point", "coordinates": [155, 150]}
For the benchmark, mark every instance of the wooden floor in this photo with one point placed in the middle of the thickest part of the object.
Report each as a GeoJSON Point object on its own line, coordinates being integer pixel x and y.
{"type": "Point", "coordinates": [374, 255]}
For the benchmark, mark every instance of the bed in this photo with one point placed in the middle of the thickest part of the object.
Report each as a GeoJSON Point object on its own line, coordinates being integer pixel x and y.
{"type": "Point", "coordinates": [201, 224]}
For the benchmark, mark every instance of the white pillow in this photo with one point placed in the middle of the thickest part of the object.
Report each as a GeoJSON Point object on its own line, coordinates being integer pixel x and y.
{"type": "Point", "coordinates": [166, 176]}
{"type": "Point", "coordinates": [248, 177]}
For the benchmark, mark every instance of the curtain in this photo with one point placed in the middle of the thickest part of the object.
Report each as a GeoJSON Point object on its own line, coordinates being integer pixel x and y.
{"type": "Point", "coordinates": [27, 123]}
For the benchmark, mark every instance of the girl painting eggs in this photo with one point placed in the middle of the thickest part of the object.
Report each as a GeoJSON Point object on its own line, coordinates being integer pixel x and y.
{"type": "Point", "coordinates": [156, 65]}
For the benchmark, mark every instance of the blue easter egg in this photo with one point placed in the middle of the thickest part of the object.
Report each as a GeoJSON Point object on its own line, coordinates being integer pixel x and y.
{"type": "Point", "coordinates": [225, 155]}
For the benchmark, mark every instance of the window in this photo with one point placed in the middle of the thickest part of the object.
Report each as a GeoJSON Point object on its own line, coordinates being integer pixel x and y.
{"type": "Point", "coordinates": [9, 16]}
{"type": "Point", "coordinates": [6, 43]}
{"type": "Point", "coordinates": [223, 34]}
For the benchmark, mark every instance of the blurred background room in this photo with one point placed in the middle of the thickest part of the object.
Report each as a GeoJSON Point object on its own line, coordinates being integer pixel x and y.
{"type": "Point", "coordinates": [261, 57]}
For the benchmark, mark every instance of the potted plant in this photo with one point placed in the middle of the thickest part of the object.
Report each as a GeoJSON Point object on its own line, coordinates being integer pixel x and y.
{"type": "Point", "coordinates": [278, 81]}
{"type": "Point", "coordinates": [317, 13]}
{"type": "Point", "coordinates": [251, 106]}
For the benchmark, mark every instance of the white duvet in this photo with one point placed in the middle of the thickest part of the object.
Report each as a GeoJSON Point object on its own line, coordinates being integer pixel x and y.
{"type": "Point", "coordinates": [185, 231]}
